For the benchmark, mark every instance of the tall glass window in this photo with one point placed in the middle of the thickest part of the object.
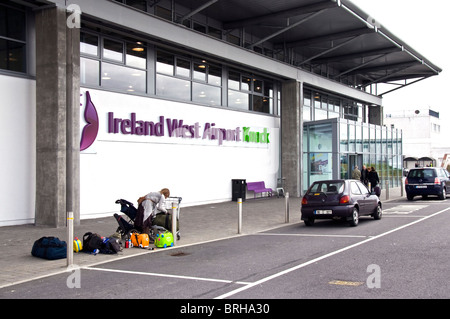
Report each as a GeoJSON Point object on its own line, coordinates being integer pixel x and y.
{"type": "Point", "coordinates": [12, 39]}
{"type": "Point", "coordinates": [319, 141]}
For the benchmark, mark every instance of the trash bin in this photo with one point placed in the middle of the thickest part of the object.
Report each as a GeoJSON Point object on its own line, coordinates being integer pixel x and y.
{"type": "Point", "coordinates": [238, 189]}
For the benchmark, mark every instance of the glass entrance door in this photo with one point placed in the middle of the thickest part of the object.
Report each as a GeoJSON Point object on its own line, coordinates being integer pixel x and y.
{"type": "Point", "coordinates": [354, 160]}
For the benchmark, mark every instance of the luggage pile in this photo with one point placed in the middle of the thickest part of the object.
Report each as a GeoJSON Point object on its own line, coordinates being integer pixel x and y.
{"type": "Point", "coordinates": [52, 248]}
{"type": "Point", "coordinates": [127, 235]}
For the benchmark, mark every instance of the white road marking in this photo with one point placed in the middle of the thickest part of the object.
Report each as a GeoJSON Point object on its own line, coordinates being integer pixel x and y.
{"type": "Point", "coordinates": [312, 235]}
{"type": "Point", "coordinates": [284, 272]}
{"type": "Point", "coordinates": [166, 275]}
{"type": "Point", "coordinates": [403, 209]}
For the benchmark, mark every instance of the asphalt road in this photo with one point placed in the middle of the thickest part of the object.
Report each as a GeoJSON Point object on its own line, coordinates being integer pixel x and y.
{"type": "Point", "coordinates": [404, 255]}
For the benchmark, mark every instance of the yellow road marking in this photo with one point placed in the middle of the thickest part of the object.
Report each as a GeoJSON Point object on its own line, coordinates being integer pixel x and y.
{"type": "Point", "coordinates": [346, 283]}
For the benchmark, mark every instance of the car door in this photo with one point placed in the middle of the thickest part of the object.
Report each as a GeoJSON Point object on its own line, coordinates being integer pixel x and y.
{"type": "Point", "coordinates": [357, 197]}
{"type": "Point", "coordinates": [370, 201]}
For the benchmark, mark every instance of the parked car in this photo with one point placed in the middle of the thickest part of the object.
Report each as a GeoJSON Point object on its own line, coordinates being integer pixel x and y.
{"type": "Point", "coordinates": [338, 199]}
{"type": "Point", "coordinates": [427, 181]}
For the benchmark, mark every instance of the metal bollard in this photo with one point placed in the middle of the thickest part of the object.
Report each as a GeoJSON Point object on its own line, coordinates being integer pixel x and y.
{"type": "Point", "coordinates": [174, 222]}
{"type": "Point", "coordinates": [239, 202]}
{"type": "Point", "coordinates": [69, 239]}
{"type": "Point", "coordinates": [286, 209]}
{"type": "Point", "coordinates": [387, 189]}
{"type": "Point", "coordinates": [402, 186]}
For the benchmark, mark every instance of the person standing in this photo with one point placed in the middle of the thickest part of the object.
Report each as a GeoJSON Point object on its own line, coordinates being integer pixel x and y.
{"type": "Point", "coordinates": [363, 178]}
{"type": "Point", "coordinates": [373, 178]}
{"type": "Point", "coordinates": [356, 174]}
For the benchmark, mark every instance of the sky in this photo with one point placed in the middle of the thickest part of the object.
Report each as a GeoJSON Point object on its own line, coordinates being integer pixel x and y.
{"type": "Point", "coordinates": [423, 25]}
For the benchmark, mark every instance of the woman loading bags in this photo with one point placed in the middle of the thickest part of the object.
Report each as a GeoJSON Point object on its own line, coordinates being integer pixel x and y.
{"type": "Point", "coordinates": [149, 205]}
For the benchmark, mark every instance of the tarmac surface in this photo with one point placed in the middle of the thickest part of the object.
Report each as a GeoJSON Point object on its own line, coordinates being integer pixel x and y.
{"type": "Point", "coordinates": [197, 224]}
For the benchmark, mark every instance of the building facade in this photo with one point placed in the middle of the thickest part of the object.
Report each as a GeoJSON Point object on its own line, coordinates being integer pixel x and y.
{"type": "Point", "coordinates": [113, 99]}
{"type": "Point", "coordinates": [424, 147]}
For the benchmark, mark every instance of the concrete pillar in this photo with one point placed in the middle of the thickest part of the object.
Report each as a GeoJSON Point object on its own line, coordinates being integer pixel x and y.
{"type": "Point", "coordinates": [291, 136]}
{"type": "Point", "coordinates": [56, 85]}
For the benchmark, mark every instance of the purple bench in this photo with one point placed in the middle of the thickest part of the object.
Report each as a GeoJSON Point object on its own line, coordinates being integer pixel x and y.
{"type": "Point", "coordinates": [259, 187]}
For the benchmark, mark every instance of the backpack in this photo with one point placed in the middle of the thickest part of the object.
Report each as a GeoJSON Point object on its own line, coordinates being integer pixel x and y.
{"type": "Point", "coordinates": [91, 242]}
{"type": "Point", "coordinates": [110, 246]}
{"type": "Point", "coordinates": [50, 248]}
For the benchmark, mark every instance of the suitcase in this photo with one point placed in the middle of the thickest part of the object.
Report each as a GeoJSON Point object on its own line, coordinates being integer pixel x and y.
{"type": "Point", "coordinates": [164, 240]}
{"type": "Point", "coordinates": [140, 240]}
{"type": "Point", "coordinates": [164, 220]}
{"type": "Point", "coordinates": [377, 190]}
{"type": "Point", "coordinates": [50, 248]}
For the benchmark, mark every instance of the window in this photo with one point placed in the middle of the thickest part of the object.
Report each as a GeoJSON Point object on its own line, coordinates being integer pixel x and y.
{"type": "Point", "coordinates": [122, 65]}
{"type": "Point", "coordinates": [123, 78]}
{"type": "Point", "coordinates": [355, 189]}
{"type": "Point", "coordinates": [136, 55]}
{"type": "Point", "coordinates": [189, 79]}
{"type": "Point", "coordinates": [363, 188]}
{"type": "Point", "coordinates": [128, 65]}
{"type": "Point", "coordinates": [12, 39]}
{"type": "Point", "coordinates": [248, 92]}
{"type": "Point", "coordinates": [113, 50]}
{"type": "Point", "coordinates": [89, 44]}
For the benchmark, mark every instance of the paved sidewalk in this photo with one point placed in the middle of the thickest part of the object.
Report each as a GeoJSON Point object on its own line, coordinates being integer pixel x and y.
{"type": "Point", "coordinates": [197, 224]}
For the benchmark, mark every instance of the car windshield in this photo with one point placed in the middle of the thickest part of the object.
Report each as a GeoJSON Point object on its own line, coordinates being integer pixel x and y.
{"type": "Point", "coordinates": [327, 187]}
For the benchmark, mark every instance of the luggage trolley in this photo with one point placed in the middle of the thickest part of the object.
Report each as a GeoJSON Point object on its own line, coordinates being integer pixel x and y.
{"type": "Point", "coordinates": [169, 206]}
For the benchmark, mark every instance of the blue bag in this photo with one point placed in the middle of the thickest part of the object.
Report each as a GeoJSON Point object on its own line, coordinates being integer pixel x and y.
{"type": "Point", "coordinates": [50, 248]}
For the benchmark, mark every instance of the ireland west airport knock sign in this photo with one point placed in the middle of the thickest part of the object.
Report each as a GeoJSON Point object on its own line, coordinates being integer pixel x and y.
{"type": "Point", "coordinates": [164, 127]}
{"type": "Point", "coordinates": [177, 128]}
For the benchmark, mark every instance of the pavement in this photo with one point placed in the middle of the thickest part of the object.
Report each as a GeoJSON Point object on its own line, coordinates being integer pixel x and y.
{"type": "Point", "coordinates": [198, 224]}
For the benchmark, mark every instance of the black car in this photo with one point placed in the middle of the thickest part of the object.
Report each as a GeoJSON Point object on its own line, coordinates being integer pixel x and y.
{"type": "Point", "coordinates": [427, 181]}
{"type": "Point", "coordinates": [338, 199]}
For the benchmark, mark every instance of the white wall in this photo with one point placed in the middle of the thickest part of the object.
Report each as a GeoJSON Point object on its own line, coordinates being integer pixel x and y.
{"type": "Point", "coordinates": [199, 170]}
{"type": "Point", "coordinates": [17, 149]}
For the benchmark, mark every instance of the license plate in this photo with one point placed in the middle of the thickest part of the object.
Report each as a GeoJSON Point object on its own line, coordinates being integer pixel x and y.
{"type": "Point", "coordinates": [323, 212]}
{"type": "Point", "coordinates": [421, 186]}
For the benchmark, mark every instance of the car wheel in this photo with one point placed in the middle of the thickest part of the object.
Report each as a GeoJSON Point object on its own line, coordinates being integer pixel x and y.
{"type": "Point", "coordinates": [378, 213]}
{"type": "Point", "coordinates": [443, 194]}
{"type": "Point", "coordinates": [354, 219]}
{"type": "Point", "coordinates": [309, 221]}
{"type": "Point", "coordinates": [410, 197]}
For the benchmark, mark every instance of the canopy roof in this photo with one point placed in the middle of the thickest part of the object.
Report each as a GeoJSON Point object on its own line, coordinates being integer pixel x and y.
{"type": "Point", "coordinates": [333, 38]}
{"type": "Point", "coordinates": [333, 35]}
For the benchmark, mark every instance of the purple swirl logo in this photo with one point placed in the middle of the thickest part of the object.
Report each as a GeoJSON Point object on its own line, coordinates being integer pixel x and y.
{"type": "Point", "coordinates": [90, 131]}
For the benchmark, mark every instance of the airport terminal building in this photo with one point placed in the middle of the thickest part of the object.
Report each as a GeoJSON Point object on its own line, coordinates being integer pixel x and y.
{"type": "Point", "coordinates": [111, 99]}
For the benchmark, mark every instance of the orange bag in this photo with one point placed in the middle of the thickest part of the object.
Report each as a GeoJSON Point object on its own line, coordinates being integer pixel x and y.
{"type": "Point", "coordinates": [140, 240]}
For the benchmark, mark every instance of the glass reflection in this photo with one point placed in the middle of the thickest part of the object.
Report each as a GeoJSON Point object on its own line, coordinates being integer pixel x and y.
{"type": "Point", "coordinates": [89, 72]}
{"type": "Point", "coordinates": [123, 78]}
{"type": "Point", "coordinates": [238, 100]}
{"type": "Point", "coordinates": [206, 94]}
{"type": "Point", "coordinates": [173, 88]}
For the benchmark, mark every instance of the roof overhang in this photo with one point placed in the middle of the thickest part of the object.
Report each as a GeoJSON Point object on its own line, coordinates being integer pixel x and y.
{"type": "Point", "coordinates": [324, 34]}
